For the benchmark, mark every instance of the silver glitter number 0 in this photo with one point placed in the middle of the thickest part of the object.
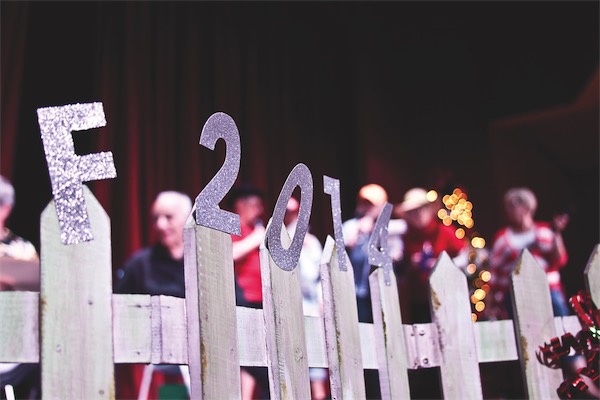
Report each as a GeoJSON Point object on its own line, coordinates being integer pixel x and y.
{"type": "Point", "coordinates": [332, 188]}
{"type": "Point", "coordinates": [287, 259]}
{"type": "Point", "coordinates": [68, 170]}
{"type": "Point", "coordinates": [220, 126]}
{"type": "Point", "coordinates": [378, 244]}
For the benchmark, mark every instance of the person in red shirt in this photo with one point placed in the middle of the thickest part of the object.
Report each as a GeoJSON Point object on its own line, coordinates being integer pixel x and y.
{"type": "Point", "coordinates": [425, 239]}
{"type": "Point", "coordinates": [247, 202]}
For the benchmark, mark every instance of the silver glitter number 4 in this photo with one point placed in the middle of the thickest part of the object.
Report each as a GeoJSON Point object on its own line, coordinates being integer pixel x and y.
{"type": "Point", "coordinates": [220, 126]}
{"type": "Point", "coordinates": [68, 170]}
{"type": "Point", "coordinates": [331, 186]}
{"type": "Point", "coordinates": [287, 259]}
{"type": "Point", "coordinates": [379, 255]}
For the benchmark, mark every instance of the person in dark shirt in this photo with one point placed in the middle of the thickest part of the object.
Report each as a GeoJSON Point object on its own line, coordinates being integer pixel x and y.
{"type": "Point", "coordinates": [156, 270]}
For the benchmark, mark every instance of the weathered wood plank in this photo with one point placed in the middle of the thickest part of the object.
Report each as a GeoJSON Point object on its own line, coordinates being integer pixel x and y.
{"type": "Point", "coordinates": [132, 314]}
{"type": "Point", "coordinates": [367, 346]}
{"type": "Point", "coordinates": [19, 327]}
{"type": "Point", "coordinates": [592, 275]}
{"type": "Point", "coordinates": [314, 331]}
{"type": "Point", "coordinates": [451, 313]}
{"type": "Point", "coordinates": [287, 356]}
{"type": "Point", "coordinates": [211, 313]}
{"type": "Point", "coordinates": [341, 326]}
{"type": "Point", "coordinates": [171, 333]}
{"type": "Point", "coordinates": [495, 341]}
{"type": "Point", "coordinates": [76, 309]}
{"type": "Point", "coordinates": [534, 325]}
{"type": "Point", "coordinates": [389, 337]}
{"type": "Point", "coordinates": [252, 343]}
{"type": "Point", "coordinates": [427, 345]}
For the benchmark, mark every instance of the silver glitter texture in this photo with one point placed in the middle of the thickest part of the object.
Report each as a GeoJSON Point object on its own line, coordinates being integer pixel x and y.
{"type": "Point", "coordinates": [68, 170]}
{"type": "Point", "coordinates": [331, 186]}
{"type": "Point", "coordinates": [220, 126]}
{"type": "Point", "coordinates": [379, 254]}
{"type": "Point", "coordinates": [287, 259]}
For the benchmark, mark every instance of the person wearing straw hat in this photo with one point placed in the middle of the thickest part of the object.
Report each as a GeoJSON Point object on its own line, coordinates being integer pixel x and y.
{"type": "Point", "coordinates": [357, 231]}
{"type": "Point", "coordinates": [425, 239]}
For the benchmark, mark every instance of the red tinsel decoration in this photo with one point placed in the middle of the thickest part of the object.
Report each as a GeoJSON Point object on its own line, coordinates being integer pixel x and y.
{"type": "Point", "coordinates": [586, 342]}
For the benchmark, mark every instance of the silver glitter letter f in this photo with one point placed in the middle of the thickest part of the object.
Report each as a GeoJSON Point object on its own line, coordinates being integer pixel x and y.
{"type": "Point", "coordinates": [68, 170]}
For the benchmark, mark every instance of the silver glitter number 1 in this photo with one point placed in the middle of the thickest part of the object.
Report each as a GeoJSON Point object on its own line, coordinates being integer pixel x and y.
{"type": "Point", "coordinates": [332, 188]}
{"type": "Point", "coordinates": [220, 126]}
{"type": "Point", "coordinates": [379, 255]}
{"type": "Point", "coordinates": [287, 259]}
{"type": "Point", "coordinates": [68, 170]}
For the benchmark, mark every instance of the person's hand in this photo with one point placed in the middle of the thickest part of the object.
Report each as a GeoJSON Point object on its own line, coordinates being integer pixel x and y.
{"type": "Point", "coordinates": [257, 234]}
{"type": "Point", "coordinates": [559, 223]}
{"type": "Point", "coordinates": [365, 224]}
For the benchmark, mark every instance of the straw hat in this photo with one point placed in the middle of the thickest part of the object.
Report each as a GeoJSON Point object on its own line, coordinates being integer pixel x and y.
{"type": "Point", "coordinates": [413, 199]}
{"type": "Point", "coordinates": [374, 194]}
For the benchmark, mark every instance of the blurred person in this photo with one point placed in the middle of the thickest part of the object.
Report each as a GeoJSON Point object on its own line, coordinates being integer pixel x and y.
{"type": "Point", "coordinates": [247, 202]}
{"type": "Point", "coordinates": [425, 239]}
{"type": "Point", "coordinates": [157, 270]}
{"type": "Point", "coordinates": [542, 239]}
{"type": "Point", "coordinates": [23, 378]}
{"type": "Point", "coordinates": [357, 232]}
{"type": "Point", "coordinates": [310, 281]}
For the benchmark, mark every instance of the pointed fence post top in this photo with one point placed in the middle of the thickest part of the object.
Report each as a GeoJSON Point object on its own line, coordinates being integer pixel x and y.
{"type": "Point", "coordinates": [445, 269]}
{"type": "Point", "coordinates": [328, 250]}
{"type": "Point", "coordinates": [592, 275]}
{"type": "Point", "coordinates": [93, 207]}
{"type": "Point", "coordinates": [527, 268]}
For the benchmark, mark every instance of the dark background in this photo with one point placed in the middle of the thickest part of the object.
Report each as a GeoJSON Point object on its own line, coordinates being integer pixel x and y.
{"type": "Point", "coordinates": [481, 95]}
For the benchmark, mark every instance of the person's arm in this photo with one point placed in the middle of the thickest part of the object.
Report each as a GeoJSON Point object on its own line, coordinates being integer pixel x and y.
{"type": "Point", "coordinates": [559, 254]}
{"type": "Point", "coordinates": [352, 229]}
{"type": "Point", "coordinates": [241, 248]}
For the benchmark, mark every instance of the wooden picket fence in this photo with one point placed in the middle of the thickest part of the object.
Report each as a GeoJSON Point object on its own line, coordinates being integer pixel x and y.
{"type": "Point", "coordinates": [78, 329]}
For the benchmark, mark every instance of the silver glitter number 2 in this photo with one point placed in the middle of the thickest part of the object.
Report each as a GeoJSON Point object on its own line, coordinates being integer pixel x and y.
{"type": "Point", "coordinates": [287, 259]}
{"type": "Point", "coordinates": [332, 188]}
{"type": "Point", "coordinates": [379, 255]}
{"type": "Point", "coordinates": [68, 170]}
{"type": "Point", "coordinates": [220, 126]}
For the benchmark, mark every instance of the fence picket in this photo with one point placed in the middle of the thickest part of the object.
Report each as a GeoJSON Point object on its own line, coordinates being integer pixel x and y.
{"type": "Point", "coordinates": [451, 313]}
{"type": "Point", "coordinates": [592, 275]}
{"type": "Point", "coordinates": [389, 337]}
{"type": "Point", "coordinates": [19, 327]}
{"type": "Point", "coordinates": [81, 321]}
{"type": "Point", "coordinates": [534, 325]}
{"type": "Point", "coordinates": [211, 313]}
{"type": "Point", "coordinates": [76, 309]}
{"type": "Point", "coordinates": [287, 357]}
{"type": "Point", "coordinates": [341, 326]}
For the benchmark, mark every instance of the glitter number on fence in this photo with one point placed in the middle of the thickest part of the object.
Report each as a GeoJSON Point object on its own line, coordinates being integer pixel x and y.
{"type": "Point", "coordinates": [287, 259]}
{"type": "Point", "coordinates": [378, 244]}
{"type": "Point", "coordinates": [332, 188]}
{"type": "Point", "coordinates": [68, 170]}
{"type": "Point", "coordinates": [220, 126]}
